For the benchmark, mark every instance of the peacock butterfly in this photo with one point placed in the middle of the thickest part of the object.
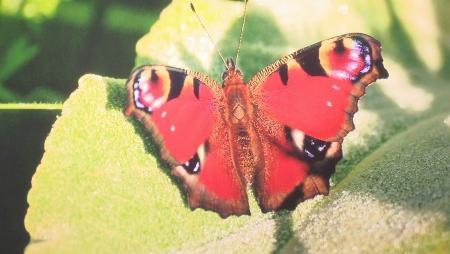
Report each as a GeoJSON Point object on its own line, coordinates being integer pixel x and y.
{"type": "Point", "coordinates": [279, 133]}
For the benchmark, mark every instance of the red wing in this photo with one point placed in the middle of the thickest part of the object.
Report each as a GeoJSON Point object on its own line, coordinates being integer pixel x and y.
{"type": "Point", "coordinates": [211, 179]}
{"type": "Point", "coordinates": [316, 89]}
{"type": "Point", "coordinates": [176, 105]}
{"type": "Point", "coordinates": [304, 106]}
{"type": "Point", "coordinates": [295, 166]}
{"type": "Point", "coordinates": [180, 108]}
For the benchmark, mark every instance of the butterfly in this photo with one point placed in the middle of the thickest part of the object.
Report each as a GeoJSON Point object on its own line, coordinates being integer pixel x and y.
{"type": "Point", "coordinates": [280, 133]}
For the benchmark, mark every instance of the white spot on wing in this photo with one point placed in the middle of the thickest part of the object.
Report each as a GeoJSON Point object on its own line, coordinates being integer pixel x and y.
{"type": "Point", "coordinates": [352, 66]}
{"type": "Point", "coordinates": [329, 104]}
{"type": "Point", "coordinates": [197, 167]}
{"type": "Point", "coordinates": [163, 114]}
{"type": "Point", "coordinates": [201, 154]}
{"type": "Point", "coordinates": [172, 128]}
{"type": "Point", "coordinates": [336, 87]}
{"type": "Point", "coordinates": [298, 138]}
{"type": "Point", "coordinates": [339, 74]}
{"type": "Point", "coordinates": [157, 103]}
{"type": "Point", "coordinates": [136, 99]}
{"type": "Point", "coordinates": [354, 55]}
{"type": "Point", "coordinates": [310, 155]}
{"type": "Point", "coordinates": [321, 148]}
{"type": "Point", "coordinates": [366, 69]}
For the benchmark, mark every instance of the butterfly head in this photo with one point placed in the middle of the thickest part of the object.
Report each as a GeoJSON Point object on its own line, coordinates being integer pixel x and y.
{"type": "Point", "coordinates": [232, 74]}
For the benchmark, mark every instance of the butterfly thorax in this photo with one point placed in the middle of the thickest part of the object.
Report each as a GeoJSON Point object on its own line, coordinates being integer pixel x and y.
{"type": "Point", "coordinates": [238, 115]}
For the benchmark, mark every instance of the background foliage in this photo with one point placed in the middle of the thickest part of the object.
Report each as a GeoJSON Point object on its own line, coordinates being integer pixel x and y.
{"type": "Point", "coordinates": [392, 185]}
{"type": "Point", "coordinates": [45, 46]}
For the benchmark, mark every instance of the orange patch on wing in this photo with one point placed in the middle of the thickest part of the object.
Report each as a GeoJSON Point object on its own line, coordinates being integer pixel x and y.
{"type": "Point", "coordinates": [164, 78]}
{"type": "Point", "coordinates": [188, 83]}
{"type": "Point", "coordinates": [325, 48]}
{"type": "Point", "coordinates": [349, 43]}
{"type": "Point", "coordinates": [293, 65]}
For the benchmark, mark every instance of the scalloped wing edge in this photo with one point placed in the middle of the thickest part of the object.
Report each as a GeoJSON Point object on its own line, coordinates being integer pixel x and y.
{"type": "Point", "coordinates": [377, 71]}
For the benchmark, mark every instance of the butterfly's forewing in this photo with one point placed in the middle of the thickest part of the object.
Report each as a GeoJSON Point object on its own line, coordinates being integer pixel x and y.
{"type": "Point", "coordinates": [316, 89]}
{"type": "Point", "coordinates": [180, 108]}
{"type": "Point", "coordinates": [177, 107]}
{"type": "Point", "coordinates": [310, 96]}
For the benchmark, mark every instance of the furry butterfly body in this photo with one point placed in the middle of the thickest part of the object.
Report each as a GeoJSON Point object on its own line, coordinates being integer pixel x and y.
{"type": "Point", "coordinates": [280, 133]}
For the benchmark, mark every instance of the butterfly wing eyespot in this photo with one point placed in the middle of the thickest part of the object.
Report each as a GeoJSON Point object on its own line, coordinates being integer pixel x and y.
{"type": "Point", "coordinates": [295, 165]}
{"type": "Point", "coordinates": [215, 184]}
{"type": "Point", "coordinates": [175, 105]}
{"type": "Point", "coordinates": [316, 89]}
{"type": "Point", "coordinates": [179, 108]}
{"type": "Point", "coordinates": [304, 106]}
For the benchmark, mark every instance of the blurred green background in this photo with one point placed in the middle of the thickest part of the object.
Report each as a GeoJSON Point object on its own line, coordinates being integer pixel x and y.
{"type": "Point", "coordinates": [45, 46]}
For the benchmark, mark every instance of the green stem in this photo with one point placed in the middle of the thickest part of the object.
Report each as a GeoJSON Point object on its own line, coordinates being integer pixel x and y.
{"type": "Point", "coordinates": [31, 106]}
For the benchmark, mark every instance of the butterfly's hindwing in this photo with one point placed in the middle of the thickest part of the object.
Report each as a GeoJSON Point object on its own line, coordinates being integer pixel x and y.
{"type": "Point", "coordinates": [295, 166]}
{"type": "Point", "coordinates": [212, 181]}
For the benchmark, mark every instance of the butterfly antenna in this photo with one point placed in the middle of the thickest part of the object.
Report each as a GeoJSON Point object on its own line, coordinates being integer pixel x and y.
{"type": "Point", "coordinates": [242, 32]}
{"type": "Point", "coordinates": [206, 30]}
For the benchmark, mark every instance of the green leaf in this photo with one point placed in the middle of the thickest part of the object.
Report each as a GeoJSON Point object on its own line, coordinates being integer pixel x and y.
{"type": "Point", "coordinates": [101, 186]}
{"type": "Point", "coordinates": [395, 196]}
